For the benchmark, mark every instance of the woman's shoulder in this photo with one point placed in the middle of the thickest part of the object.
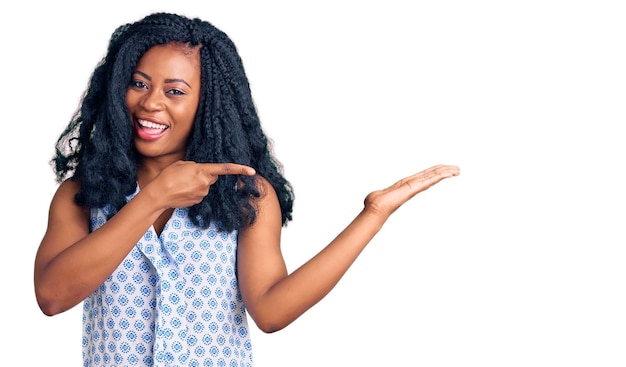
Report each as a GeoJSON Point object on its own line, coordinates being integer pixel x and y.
{"type": "Point", "coordinates": [65, 194]}
{"type": "Point", "coordinates": [64, 204]}
{"type": "Point", "coordinates": [68, 187]}
{"type": "Point", "coordinates": [265, 188]}
{"type": "Point", "coordinates": [267, 202]}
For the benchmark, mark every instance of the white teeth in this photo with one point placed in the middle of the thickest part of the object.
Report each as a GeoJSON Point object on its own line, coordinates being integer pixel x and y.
{"type": "Point", "coordinates": [151, 125]}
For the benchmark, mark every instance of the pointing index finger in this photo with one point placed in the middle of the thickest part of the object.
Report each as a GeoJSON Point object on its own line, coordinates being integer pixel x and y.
{"type": "Point", "coordinates": [219, 169]}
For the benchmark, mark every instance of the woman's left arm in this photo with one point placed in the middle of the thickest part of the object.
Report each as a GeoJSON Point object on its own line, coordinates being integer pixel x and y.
{"type": "Point", "coordinates": [275, 298]}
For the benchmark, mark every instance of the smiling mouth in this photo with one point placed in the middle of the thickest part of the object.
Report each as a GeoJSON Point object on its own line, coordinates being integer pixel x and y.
{"type": "Point", "coordinates": [149, 130]}
{"type": "Point", "coordinates": [149, 125]}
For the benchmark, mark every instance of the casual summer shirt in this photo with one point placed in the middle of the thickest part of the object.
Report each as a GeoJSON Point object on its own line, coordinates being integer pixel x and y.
{"type": "Point", "coordinates": [173, 301]}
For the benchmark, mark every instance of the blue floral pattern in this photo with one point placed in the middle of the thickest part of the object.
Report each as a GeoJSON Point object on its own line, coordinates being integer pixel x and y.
{"type": "Point", "coordinates": [173, 301]}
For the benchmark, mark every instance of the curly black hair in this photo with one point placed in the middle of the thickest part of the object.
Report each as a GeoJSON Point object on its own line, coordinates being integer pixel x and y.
{"type": "Point", "coordinates": [97, 147]}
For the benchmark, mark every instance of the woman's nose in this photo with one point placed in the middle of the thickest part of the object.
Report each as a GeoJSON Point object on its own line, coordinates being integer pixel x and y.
{"type": "Point", "coordinates": [153, 101]}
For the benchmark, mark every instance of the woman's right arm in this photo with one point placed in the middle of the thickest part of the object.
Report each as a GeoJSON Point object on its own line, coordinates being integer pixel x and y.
{"type": "Point", "coordinates": [71, 262]}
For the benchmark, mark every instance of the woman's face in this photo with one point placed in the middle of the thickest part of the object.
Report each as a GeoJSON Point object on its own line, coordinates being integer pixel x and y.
{"type": "Point", "coordinates": [163, 98]}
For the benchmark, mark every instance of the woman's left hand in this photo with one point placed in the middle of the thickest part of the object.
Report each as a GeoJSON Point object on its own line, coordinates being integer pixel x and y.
{"type": "Point", "coordinates": [386, 201]}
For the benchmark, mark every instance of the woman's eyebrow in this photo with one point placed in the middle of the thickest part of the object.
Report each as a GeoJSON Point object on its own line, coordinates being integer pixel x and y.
{"type": "Point", "coordinates": [177, 81]}
{"type": "Point", "coordinates": [143, 74]}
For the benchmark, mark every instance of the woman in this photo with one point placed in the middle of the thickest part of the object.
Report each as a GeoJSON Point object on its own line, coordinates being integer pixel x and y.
{"type": "Point", "coordinates": [167, 220]}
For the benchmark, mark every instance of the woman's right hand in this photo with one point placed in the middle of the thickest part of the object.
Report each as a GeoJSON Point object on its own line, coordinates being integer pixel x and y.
{"type": "Point", "coordinates": [185, 183]}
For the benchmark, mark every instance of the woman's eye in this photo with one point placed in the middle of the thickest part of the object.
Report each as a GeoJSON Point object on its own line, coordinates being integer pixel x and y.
{"type": "Point", "coordinates": [138, 84]}
{"type": "Point", "coordinates": [176, 92]}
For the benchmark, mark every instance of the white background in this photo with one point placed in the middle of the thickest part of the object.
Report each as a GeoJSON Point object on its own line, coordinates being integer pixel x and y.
{"type": "Point", "coordinates": [519, 261]}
